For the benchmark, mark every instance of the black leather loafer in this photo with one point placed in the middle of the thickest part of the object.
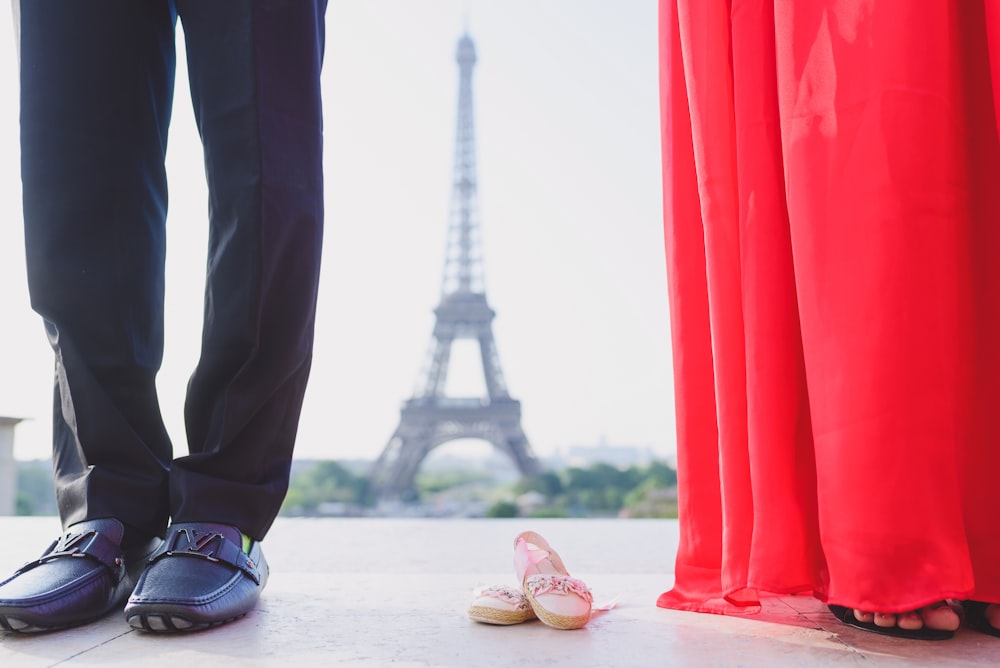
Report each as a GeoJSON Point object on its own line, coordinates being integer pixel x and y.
{"type": "Point", "coordinates": [81, 577]}
{"type": "Point", "coordinates": [199, 578]}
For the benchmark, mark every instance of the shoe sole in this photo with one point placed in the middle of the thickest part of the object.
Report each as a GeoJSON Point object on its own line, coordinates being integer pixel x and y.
{"type": "Point", "coordinates": [18, 625]}
{"type": "Point", "coordinates": [487, 615]}
{"type": "Point", "coordinates": [564, 622]}
{"type": "Point", "coordinates": [166, 623]}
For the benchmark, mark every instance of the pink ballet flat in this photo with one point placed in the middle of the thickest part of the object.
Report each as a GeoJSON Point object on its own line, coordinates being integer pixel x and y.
{"type": "Point", "coordinates": [558, 600]}
{"type": "Point", "coordinates": [500, 604]}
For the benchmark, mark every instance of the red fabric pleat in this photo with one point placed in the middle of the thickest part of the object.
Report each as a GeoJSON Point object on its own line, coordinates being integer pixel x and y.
{"type": "Point", "coordinates": [832, 207]}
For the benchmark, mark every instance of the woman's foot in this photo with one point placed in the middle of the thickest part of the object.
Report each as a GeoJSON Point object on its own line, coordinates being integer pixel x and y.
{"type": "Point", "coordinates": [934, 622]}
{"type": "Point", "coordinates": [982, 617]}
{"type": "Point", "coordinates": [993, 615]}
{"type": "Point", "coordinates": [938, 616]}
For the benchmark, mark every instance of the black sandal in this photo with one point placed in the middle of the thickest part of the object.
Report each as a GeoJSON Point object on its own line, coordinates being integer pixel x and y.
{"type": "Point", "coordinates": [975, 618]}
{"type": "Point", "coordinates": [846, 615]}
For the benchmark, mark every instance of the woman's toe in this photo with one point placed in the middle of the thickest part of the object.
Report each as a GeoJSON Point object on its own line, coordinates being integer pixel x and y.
{"type": "Point", "coordinates": [940, 617]}
{"type": "Point", "coordinates": [864, 617]}
{"type": "Point", "coordinates": [885, 619]}
{"type": "Point", "coordinates": [911, 621]}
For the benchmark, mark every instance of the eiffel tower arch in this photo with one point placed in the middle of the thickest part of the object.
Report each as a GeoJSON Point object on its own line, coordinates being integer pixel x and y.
{"type": "Point", "coordinates": [430, 418]}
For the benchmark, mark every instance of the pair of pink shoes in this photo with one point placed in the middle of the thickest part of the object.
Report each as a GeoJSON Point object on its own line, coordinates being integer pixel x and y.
{"type": "Point", "coordinates": [547, 590]}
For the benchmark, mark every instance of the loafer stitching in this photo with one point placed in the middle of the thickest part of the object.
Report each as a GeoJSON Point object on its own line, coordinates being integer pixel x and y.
{"type": "Point", "coordinates": [87, 579]}
{"type": "Point", "coordinates": [192, 600]}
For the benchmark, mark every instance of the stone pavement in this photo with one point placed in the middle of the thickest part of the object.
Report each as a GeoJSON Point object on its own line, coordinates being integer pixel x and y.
{"type": "Point", "coordinates": [393, 592]}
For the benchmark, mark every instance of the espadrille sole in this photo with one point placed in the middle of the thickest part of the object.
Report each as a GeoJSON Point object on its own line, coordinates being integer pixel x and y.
{"type": "Point", "coordinates": [488, 615]}
{"type": "Point", "coordinates": [564, 622]}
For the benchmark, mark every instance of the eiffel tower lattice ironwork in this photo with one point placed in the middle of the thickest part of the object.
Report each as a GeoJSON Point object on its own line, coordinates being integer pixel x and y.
{"type": "Point", "coordinates": [430, 418]}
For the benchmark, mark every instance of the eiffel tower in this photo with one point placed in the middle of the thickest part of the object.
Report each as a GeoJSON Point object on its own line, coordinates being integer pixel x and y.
{"type": "Point", "coordinates": [430, 418]}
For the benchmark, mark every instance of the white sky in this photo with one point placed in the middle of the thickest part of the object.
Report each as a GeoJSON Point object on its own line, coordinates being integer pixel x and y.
{"type": "Point", "coordinates": [567, 129]}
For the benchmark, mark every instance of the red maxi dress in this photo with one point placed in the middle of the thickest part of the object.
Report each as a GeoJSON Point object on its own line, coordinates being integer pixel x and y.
{"type": "Point", "coordinates": [832, 219]}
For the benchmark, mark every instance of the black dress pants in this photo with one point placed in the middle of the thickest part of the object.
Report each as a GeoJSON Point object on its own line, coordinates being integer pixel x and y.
{"type": "Point", "coordinates": [96, 93]}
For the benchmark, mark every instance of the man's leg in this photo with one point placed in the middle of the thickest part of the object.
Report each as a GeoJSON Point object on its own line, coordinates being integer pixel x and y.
{"type": "Point", "coordinates": [96, 89]}
{"type": "Point", "coordinates": [254, 67]}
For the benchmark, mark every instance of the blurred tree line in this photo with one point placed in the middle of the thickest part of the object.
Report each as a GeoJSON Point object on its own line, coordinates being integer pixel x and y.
{"type": "Point", "coordinates": [596, 490]}
{"type": "Point", "coordinates": [36, 493]}
{"type": "Point", "coordinates": [321, 485]}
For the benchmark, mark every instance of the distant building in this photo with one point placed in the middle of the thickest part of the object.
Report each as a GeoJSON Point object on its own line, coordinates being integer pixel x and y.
{"type": "Point", "coordinates": [8, 468]}
{"type": "Point", "coordinates": [619, 456]}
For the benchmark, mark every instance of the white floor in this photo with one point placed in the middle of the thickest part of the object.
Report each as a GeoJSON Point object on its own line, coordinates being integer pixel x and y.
{"type": "Point", "coordinates": [382, 592]}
